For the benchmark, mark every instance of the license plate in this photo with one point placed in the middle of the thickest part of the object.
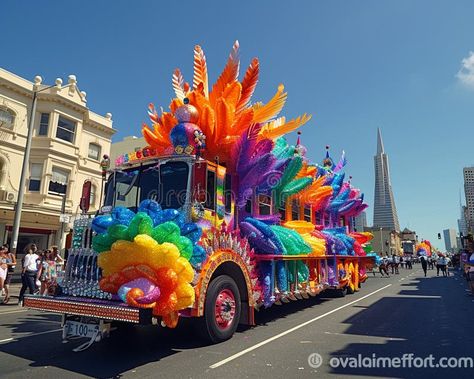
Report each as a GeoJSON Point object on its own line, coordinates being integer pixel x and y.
{"type": "Point", "coordinates": [79, 329]}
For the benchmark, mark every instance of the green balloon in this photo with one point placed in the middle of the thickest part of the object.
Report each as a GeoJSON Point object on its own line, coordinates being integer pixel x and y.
{"type": "Point", "coordinates": [185, 247]}
{"type": "Point", "coordinates": [102, 242]}
{"type": "Point", "coordinates": [118, 232]}
{"type": "Point", "coordinates": [166, 232]}
{"type": "Point", "coordinates": [141, 224]}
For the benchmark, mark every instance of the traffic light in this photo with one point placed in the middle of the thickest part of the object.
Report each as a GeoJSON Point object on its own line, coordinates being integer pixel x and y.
{"type": "Point", "coordinates": [439, 236]}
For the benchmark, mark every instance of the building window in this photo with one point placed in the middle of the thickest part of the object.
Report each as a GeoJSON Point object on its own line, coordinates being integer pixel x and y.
{"type": "Point", "coordinates": [307, 213]}
{"type": "Point", "coordinates": [94, 151]}
{"type": "Point", "coordinates": [36, 170]}
{"type": "Point", "coordinates": [7, 117]}
{"type": "Point", "coordinates": [58, 182]}
{"type": "Point", "coordinates": [44, 124]}
{"type": "Point", "coordinates": [211, 190]}
{"type": "Point", "coordinates": [282, 211]}
{"type": "Point", "coordinates": [264, 205]}
{"type": "Point", "coordinates": [318, 218]}
{"type": "Point", "coordinates": [228, 193]}
{"type": "Point", "coordinates": [66, 129]}
{"type": "Point", "coordinates": [295, 210]}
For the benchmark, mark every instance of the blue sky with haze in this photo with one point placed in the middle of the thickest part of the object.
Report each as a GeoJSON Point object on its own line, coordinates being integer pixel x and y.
{"type": "Point", "coordinates": [403, 66]}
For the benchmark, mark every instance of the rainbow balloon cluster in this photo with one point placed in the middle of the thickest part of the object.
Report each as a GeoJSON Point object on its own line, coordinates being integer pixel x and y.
{"type": "Point", "coordinates": [146, 258]}
{"type": "Point", "coordinates": [424, 248]}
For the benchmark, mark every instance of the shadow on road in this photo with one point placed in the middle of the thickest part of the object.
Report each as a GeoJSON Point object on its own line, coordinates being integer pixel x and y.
{"type": "Point", "coordinates": [432, 317]}
{"type": "Point", "coordinates": [127, 348]}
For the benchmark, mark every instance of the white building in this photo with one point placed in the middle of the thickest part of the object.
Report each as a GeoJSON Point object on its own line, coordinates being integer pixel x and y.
{"type": "Point", "coordinates": [127, 145]}
{"type": "Point", "coordinates": [67, 147]}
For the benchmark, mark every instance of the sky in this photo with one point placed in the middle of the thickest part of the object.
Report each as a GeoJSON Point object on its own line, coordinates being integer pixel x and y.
{"type": "Point", "coordinates": [406, 66]}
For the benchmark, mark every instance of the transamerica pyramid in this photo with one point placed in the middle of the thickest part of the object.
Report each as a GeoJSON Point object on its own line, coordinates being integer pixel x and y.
{"type": "Point", "coordinates": [385, 212]}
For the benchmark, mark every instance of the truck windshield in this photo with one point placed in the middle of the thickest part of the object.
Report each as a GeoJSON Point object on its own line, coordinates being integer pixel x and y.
{"type": "Point", "coordinates": [166, 183]}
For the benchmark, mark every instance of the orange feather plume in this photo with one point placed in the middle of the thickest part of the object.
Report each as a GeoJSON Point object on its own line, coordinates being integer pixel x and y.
{"type": "Point", "coordinates": [248, 84]}
{"type": "Point", "coordinates": [229, 75]}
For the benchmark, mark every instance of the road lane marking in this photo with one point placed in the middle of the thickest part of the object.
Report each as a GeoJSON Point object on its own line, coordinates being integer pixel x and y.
{"type": "Point", "coordinates": [30, 335]}
{"type": "Point", "coordinates": [382, 339]}
{"type": "Point", "coordinates": [260, 344]}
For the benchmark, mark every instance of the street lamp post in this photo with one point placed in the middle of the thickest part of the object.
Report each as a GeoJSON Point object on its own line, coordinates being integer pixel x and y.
{"type": "Point", "coordinates": [26, 159]}
{"type": "Point", "coordinates": [381, 242]}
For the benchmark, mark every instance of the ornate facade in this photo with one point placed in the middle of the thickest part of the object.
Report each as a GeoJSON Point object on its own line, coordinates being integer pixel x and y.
{"type": "Point", "coordinates": [68, 143]}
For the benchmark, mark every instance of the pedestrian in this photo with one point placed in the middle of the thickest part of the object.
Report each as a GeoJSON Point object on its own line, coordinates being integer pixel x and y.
{"type": "Point", "coordinates": [47, 272]}
{"type": "Point", "coordinates": [424, 264]}
{"type": "Point", "coordinates": [448, 261]}
{"type": "Point", "coordinates": [56, 257]}
{"type": "Point", "coordinates": [442, 263]}
{"type": "Point", "coordinates": [3, 272]}
{"type": "Point", "coordinates": [11, 263]}
{"type": "Point", "coordinates": [409, 262]}
{"type": "Point", "coordinates": [43, 271]}
{"type": "Point", "coordinates": [383, 267]}
{"type": "Point", "coordinates": [469, 270]}
{"type": "Point", "coordinates": [29, 274]}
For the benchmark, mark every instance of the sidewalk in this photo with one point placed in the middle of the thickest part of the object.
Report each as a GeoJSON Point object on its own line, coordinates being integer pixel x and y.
{"type": "Point", "coordinates": [14, 292]}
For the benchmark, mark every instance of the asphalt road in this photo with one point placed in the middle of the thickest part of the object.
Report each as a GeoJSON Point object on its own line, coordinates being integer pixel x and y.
{"type": "Point", "coordinates": [389, 317]}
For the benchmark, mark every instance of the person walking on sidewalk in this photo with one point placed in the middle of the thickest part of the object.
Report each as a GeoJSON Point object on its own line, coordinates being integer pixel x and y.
{"type": "Point", "coordinates": [3, 271]}
{"type": "Point", "coordinates": [28, 274]}
{"type": "Point", "coordinates": [11, 263]}
{"type": "Point", "coordinates": [469, 269]}
{"type": "Point", "coordinates": [424, 264]}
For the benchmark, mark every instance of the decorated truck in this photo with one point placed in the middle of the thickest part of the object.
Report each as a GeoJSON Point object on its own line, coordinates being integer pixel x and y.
{"type": "Point", "coordinates": [217, 217]}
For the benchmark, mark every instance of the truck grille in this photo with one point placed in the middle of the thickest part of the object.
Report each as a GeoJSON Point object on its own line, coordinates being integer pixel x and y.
{"type": "Point", "coordinates": [82, 274]}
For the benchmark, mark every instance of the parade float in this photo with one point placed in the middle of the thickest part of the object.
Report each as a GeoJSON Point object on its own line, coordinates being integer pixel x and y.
{"type": "Point", "coordinates": [424, 249]}
{"type": "Point", "coordinates": [218, 217]}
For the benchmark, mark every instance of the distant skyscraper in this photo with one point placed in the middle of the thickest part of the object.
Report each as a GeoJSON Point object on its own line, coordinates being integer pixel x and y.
{"type": "Point", "coordinates": [360, 222]}
{"type": "Point", "coordinates": [450, 240]}
{"type": "Point", "coordinates": [385, 212]}
{"type": "Point", "coordinates": [462, 224]}
{"type": "Point", "coordinates": [469, 192]}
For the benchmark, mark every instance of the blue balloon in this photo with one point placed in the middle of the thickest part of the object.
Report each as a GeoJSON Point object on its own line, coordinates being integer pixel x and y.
{"type": "Point", "coordinates": [173, 215]}
{"type": "Point", "coordinates": [122, 215]}
{"type": "Point", "coordinates": [101, 223]}
{"type": "Point", "coordinates": [150, 207]}
{"type": "Point", "coordinates": [192, 231]}
{"type": "Point", "coordinates": [178, 136]}
{"type": "Point", "coordinates": [199, 255]}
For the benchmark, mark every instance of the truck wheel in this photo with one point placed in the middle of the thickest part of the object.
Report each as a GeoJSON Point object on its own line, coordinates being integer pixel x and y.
{"type": "Point", "coordinates": [221, 310]}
